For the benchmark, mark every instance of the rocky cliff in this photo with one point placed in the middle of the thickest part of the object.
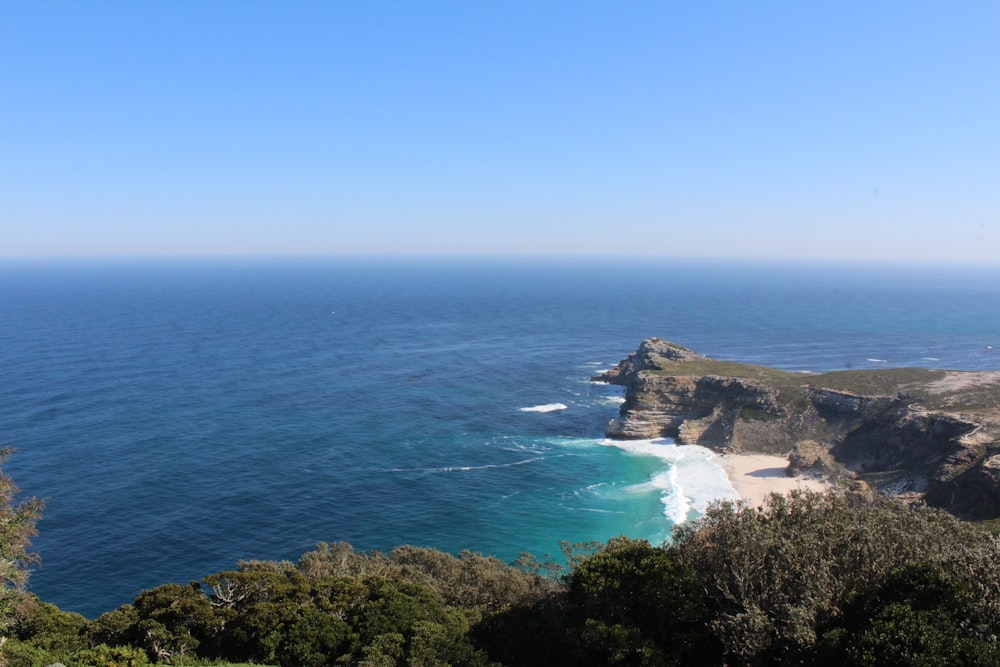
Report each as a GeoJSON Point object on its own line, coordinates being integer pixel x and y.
{"type": "Point", "coordinates": [917, 433]}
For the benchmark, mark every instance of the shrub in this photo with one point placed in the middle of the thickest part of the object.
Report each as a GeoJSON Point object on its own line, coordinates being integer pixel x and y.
{"type": "Point", "coordinates": [777, 572]}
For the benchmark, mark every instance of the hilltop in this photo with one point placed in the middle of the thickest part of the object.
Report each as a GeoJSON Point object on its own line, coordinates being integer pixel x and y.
{"type": "Point", "coordinates": [911, 432]}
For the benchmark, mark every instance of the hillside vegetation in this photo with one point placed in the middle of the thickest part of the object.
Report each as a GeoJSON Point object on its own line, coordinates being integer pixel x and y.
{"type": "Point", "coordinates": [805, 580]}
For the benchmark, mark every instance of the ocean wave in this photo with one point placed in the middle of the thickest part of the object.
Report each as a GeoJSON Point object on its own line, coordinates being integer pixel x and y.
{"type": "Point", "coordinates": [570, 442]}
{"type": "Point", "coordinates": [676, 504]}
{"type": "Point", "coordinates": [590, 509]}
{"type": "Point", "coordinates": [594, 486]}
{"type": "Point", "coordinates": [878, 361]}
{"type": "Point", "coordinates": [617, 400]}
{"type": "Point", "coordinates": [530, 449]}
{"type": "Point", "coordinates": [548, 407]}
{"type": "Point", "coordinates": [469, 468]}
{"type": "Point", "coordinates": [692, 480]}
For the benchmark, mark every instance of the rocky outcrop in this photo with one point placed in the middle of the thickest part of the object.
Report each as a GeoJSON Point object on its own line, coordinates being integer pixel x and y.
{"type": "Point", "coordinates": [705, 408]}
{"type": "Point", "coordinates": [651, 354]}
{"type": "Point", "coordinates": [809, 458]}
{"type": "Point", "coordinates": [916, 433]}
{"type": "Point", "coordinates": [833, 404]}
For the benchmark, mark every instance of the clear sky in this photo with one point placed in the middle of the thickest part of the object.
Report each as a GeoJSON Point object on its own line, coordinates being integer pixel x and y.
{"type": "Point", "coordinates": [826, 129]}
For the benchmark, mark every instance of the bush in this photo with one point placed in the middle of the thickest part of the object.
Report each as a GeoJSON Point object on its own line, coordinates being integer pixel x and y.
{"type": "Point", "coordinates": [918, 616]}
{"type": "Point", "coordinates": [636, 593]}
{"type": "Point", "coordinates": [17, 527]}
{"type": "Point", "coordinates": [776, 573]}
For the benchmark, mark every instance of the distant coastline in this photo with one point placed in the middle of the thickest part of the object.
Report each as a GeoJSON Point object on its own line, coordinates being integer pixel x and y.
{"type": "Point", "coordinates": [916, 433]}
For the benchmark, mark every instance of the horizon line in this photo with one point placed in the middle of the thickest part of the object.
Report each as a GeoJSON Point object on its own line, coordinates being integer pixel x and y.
{"type": "Point", "coordinates": [529, 257]}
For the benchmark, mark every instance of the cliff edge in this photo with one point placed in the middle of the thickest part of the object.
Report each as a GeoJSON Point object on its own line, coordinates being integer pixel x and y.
{"type": "Point", "coordinates": [912, 432]}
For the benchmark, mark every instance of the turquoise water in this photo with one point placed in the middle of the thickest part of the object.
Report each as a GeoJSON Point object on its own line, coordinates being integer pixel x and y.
{"type": "Point", "coordinates": [181, 416]}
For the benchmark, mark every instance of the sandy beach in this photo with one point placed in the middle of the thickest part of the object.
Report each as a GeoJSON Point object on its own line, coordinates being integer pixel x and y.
{"type": "Point", "coordinates": [755, 476]}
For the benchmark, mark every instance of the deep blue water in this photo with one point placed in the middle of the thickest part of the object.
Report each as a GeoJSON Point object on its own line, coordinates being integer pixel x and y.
{"type": "Point", "coordinates": [181, 416]}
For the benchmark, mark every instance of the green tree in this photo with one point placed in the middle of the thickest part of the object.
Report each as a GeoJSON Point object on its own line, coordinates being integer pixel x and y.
{"type": "Point", "coordinates": [116, 628]}
{"type": "Point", "coordinates": [630, 603]}
{"type": "Point", "coordinates": [470, 581]}
{"type": "Point", "coordinates": [173, 621]}
{"type": "Point", "coordinates": [918, 617]}
{"type": "Point", "coordinates": [17, 527]}
{"type": "Point", "coordinates": [775, 573]}
{"type": "Point", "coordinates": [279, 615]}
{"type": "Point", "coordinates": [46, 626]}
{"type": "Point", "coordinates": [541, 633]}
{"type": "Point", "coordinates": [645, 599]}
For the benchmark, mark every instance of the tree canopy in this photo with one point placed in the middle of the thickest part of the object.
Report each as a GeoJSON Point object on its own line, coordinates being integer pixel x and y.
{"type": "Point", "coordinates": [806, 579]}
{"type": "Point", "coordinates": [17, 527]}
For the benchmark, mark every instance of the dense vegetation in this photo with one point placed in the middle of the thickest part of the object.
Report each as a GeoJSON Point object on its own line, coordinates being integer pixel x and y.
{"type": "Point", "coordinates": [806, 580]}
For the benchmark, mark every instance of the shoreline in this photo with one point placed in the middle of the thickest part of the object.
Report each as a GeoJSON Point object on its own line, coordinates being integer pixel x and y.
{"type": "Point", "coordinates": [756, 476]}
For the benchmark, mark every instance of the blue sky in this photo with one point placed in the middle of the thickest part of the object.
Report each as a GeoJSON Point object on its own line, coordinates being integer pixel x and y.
{"type": "Point", "coordinates": [864, 130]}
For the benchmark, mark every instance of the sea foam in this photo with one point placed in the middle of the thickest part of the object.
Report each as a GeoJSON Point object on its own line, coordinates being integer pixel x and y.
{"type": "Point", "coordinates": [548, 407]}
{"type": "Point", "coordinates": [692, 479]}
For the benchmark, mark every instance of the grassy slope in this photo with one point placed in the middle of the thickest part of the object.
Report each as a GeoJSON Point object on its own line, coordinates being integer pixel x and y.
{"type": "Point", "coordinates": [980, 393]}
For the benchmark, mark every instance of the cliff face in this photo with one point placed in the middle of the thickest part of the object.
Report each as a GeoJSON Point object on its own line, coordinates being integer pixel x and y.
{"type": "Point", "coordinates": [690, 409]}
{"type": "Point", "coordinates": [916, 433]}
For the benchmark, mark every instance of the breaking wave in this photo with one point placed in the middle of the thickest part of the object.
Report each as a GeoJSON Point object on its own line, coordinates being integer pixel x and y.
{"type": "Point", "coordinates": [548, 407]}
{"type": "Point", "coordinates": [691, 480]}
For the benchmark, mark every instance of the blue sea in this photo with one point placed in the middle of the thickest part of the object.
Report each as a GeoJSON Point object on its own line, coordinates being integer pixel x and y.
{"type": "Point", "coordinates": [182, 415]}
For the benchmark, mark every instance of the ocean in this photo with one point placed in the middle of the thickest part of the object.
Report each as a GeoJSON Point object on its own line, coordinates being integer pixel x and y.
{"type": "Point", "coordinates": [182, 415]}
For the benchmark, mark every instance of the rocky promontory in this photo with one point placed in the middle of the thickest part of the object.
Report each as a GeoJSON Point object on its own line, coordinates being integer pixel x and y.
{"type": "Point", "coordinates": [917, 433]}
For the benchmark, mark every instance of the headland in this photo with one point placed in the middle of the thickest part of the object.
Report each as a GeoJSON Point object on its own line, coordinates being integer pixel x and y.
{"type": "Point", "coordinates": [920, 434]}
